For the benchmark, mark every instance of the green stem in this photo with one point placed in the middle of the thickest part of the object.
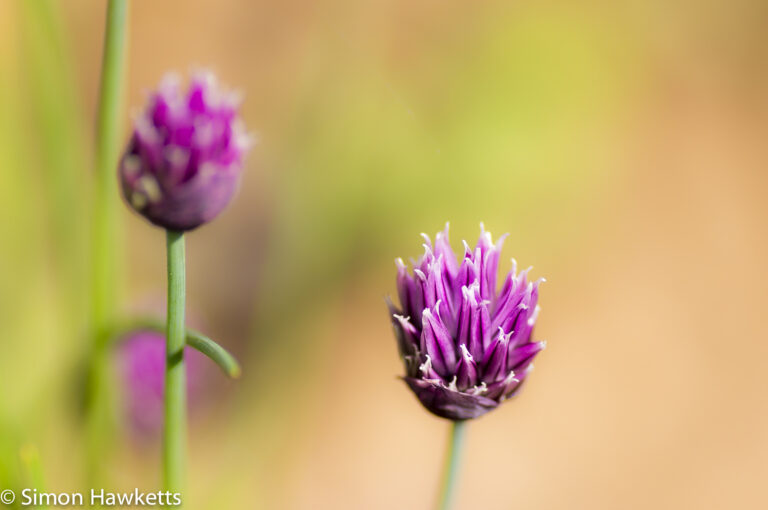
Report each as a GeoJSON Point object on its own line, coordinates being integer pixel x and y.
{"type": "Point", "coordinates": [196, 340]}
{"type": "Point", "coordinates": [33, 470]}
{"type": "Point", "coordinates": [451, 467]}
{"type": "Point", "coordinates": [106, 197]}
{"type": "Point", "coordinates": [104, 262]}
{"type": "Point", "coordinates": [175, 433]}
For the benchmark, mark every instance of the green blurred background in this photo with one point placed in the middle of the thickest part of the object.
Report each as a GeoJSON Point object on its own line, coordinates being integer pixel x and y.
{"type": "Point", "coordinates": [621, 144]}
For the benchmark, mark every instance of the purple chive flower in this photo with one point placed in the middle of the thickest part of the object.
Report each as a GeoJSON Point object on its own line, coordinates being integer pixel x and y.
{"type": "Point", "coordinates": [466, 344]}
{"type": "Point", "coordinates": [141, 361]}
{"type": "Point", "coordinates": [184, 160]}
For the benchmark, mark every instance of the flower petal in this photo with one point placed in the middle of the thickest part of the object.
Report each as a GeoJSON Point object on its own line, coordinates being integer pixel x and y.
{"type": "Point", "coordinates": [438, 343]}
{"type": "Point", "coordinates": [466, 372]}
{"type": "Point", "coordinates": [520, 357]}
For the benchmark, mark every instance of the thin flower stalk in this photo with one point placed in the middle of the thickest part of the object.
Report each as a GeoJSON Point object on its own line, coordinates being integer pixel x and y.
{"type": "Point", "coordinates": [104, 256]}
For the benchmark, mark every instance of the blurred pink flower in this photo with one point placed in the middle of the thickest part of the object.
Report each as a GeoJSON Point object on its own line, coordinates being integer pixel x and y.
{"type": "Point", "coordinates": [141, 361]}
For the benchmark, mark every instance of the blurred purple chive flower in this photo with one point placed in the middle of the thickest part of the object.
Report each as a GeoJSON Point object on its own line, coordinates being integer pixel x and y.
{"type": "Point", "coordinates": [184, 160]}
{"type": "Point", "coordinates": [466, 346]}
{"type": "Point", "coordinates": [141, 358]}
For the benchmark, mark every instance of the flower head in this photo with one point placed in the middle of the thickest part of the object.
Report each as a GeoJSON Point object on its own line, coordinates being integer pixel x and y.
{"type": "Point", "coordinates": [184, 160]}
{"type": "Point", "coordinates": [466, 344]}
{"type": "Point", "coordinates": [141, 360]}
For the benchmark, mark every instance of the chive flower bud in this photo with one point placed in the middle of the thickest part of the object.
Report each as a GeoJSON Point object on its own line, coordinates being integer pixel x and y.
{"type": "Point", "coordinates": [183, 163]}
{"type": "Point", "coordinates": [466, 344]}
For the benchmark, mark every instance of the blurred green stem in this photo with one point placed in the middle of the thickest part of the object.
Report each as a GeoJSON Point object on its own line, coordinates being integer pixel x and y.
{"type": "Point", "coordinates": [451, 467]}
{"type": "Point", "coordinates": [33, 470]}
{"type": "Point", "coordinates": [104, 244]}
{"type": "Point", "coordinates": [175, 432]}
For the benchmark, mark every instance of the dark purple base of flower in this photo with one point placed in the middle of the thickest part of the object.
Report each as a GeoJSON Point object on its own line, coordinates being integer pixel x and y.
{"type": "Point", "coordinates": [187, 207]}
{"type": "Point", "coordinates": [449, 404]}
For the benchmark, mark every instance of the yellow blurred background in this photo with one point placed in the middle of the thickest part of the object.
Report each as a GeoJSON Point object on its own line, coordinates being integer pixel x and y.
{"type": "Point", "coordinates": [621, 144]}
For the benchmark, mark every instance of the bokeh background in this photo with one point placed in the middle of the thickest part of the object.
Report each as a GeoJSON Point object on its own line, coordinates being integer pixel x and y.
{"type": "Point", "coordinates": [621, 144]}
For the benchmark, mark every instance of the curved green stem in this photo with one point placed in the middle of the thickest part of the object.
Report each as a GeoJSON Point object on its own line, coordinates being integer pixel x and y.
{"type": "Point", "coordinates": [215, 352]}
{"type": "Point", "coordinates": [451, 467]}
{"type": "Point", "coordinates": [175, 432]}
{"type": "Point", "coordinates": [195, 339]}
{"type": "Point", "coordinates": [103, 277]}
